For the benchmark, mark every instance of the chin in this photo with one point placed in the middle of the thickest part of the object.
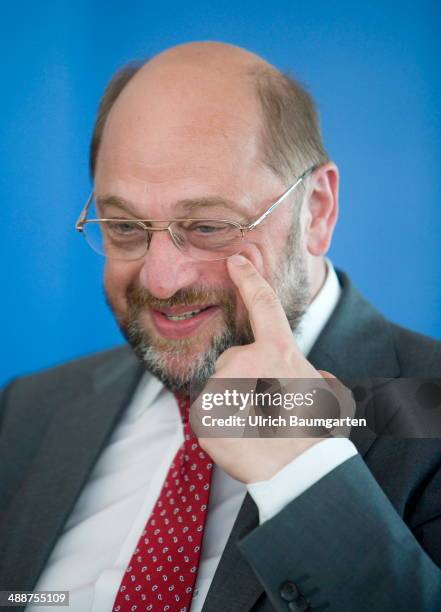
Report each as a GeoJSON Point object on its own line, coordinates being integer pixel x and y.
{"type": "Point", "coordinates": [180, 368]}
{"type": "Point", "coordinates": [179, 362]}
{"type": "Point", "coordinates": [184, 363]}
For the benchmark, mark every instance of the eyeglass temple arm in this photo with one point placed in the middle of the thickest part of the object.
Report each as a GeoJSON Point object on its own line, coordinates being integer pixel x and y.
{"type": "Point", "coordinates": [83, 214]}
{"type": "Point", "coordinates": [282, 197]}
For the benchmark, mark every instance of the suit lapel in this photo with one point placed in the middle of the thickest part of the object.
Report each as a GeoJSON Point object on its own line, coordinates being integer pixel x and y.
{"type": "Point", "coordinates": [74, 439]}
{"type": "Point", "coordinates": [235, 586]}
{"type": "Point", "coordinates": [356, 341]}
{"type": "Point", "coordinates": [356, 346]}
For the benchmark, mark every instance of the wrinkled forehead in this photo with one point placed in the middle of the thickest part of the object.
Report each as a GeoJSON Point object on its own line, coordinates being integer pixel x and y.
{"type": "Point", "coordinates": [164, 150]}
{"type": "Point", "coordinates": [170, 130]}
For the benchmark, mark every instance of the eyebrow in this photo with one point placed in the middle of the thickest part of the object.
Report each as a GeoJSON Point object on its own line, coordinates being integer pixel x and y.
{"type": "Point", "coordinates": [186, 205]}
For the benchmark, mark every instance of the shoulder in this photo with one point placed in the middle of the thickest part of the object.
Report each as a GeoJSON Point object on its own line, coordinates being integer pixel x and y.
{"type": "Point", "coordinates": [30, 406]}
{"type": "Point", "coordinates": [69, 371]}
{"type": "Point", "coordinates": [64, 382]}
{"type": "Point", "coordinates": [358, 341]}
{"type": "Point", "coordinates": [418, 355]}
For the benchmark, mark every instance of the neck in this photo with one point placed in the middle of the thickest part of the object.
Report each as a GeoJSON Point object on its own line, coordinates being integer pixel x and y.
{"type": "Point", "coordinates": [317, 273]}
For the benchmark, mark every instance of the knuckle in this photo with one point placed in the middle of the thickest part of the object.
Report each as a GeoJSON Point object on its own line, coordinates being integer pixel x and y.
{"type": "Point", "coordinates": [203, 444]}
{"type": "Point", "coordinates": [288, 355]}
{"type": "Point", "coordinates": [280, 350]}
{"type": "Point", "coordinates": [265, 296]}
{"type": "Point", "coordinates": [237, 359]}
{"type": "Point", "coordinates": [227, 356]}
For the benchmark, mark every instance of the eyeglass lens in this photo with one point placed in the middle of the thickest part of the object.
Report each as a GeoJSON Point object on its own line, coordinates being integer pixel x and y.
{"type": "Point", "coordinates": [207, 240]}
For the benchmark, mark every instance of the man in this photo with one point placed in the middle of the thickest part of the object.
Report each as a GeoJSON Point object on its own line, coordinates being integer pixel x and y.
{"type": "Point", "coordinates": [207, 278]}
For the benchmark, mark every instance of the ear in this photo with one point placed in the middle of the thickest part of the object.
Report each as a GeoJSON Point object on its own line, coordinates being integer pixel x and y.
{"type": "Point", "coordinates": [322, 205]}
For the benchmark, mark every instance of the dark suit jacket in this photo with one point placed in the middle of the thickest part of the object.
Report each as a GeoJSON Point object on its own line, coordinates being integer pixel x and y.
{"type": "Point", "coordinates": [367, 537]}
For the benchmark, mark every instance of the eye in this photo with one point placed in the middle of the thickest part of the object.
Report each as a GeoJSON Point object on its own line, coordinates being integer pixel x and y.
{"type": "Point", "coordinates": [206, 229]}
{"type": "Point", "coordinates": [211, 227]}
{"type": "Point", "coordinates": [125, 228]}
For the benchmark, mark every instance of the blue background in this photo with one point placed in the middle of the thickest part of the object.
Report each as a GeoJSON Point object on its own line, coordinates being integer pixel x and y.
{"type": "Point", "coordinates": [374, 69]}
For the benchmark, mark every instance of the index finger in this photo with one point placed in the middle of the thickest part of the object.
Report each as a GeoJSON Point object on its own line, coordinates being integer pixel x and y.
{"type": "Point", "coordinates": [267, 317]}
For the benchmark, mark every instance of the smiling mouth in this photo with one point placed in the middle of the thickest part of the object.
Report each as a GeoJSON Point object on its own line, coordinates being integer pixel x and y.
{"type": "Point", "coordinates": [182, 321]}
{"type": "Point", "coordinates": [185, 315]}
{"type": "Point", "coordinates": [181, 313]}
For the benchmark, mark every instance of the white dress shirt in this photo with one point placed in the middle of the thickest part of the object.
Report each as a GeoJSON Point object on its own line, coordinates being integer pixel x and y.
{"type": "Point", "coordinates": [92, 553]}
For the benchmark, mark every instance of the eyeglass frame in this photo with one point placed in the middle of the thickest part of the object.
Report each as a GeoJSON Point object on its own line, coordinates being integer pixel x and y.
{"type": "Point", "coordinates": [82, 219]}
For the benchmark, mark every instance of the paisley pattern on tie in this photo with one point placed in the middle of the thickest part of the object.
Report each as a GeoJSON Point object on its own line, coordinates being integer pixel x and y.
{"type": "Point", "coordinates": [162, 571]}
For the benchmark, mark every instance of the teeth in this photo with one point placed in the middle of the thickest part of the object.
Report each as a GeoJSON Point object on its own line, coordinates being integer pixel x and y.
{"type": "Point", "coordinates": [184, 315]}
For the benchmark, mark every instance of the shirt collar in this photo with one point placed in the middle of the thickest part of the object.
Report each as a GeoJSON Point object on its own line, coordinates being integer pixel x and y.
{"type": "Point", "coordinates": [147, 391]}
{"type": "Point", "coordinates": [319, 311]}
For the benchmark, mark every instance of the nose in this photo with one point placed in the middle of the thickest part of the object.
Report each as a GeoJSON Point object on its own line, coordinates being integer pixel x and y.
{"type": "Point", "coordinates": [165, 268]}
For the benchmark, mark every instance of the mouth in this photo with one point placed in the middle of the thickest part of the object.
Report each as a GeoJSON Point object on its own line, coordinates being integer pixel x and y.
{"type": "Point", "coordinates": [185, 315]}
{"type": "Point", "coordinates": [182, 321]}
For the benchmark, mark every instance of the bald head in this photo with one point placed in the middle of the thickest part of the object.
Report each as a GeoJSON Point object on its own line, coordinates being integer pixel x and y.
{"type": "Point", "coordinates": [212, 56]}
{"type": "Point", "coordinates": [218, 87]}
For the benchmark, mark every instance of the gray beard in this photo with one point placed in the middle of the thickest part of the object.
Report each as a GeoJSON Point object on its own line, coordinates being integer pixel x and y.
{"type": "Point", "coordinates": [198, 370]}
{"type": "Point", "coordinates": [292, 287]}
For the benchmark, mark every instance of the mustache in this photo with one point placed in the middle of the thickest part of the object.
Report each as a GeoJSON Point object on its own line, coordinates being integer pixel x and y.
{"type": "Point", "coordinates": [138, 298]}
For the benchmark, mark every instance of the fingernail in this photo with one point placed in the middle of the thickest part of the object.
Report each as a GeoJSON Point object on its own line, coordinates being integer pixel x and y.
{"type": "Point", "coordinates": [238, 260]}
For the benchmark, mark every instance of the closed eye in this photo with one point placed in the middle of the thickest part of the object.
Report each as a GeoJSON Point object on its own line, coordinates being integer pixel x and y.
{"type": "Point", "coordinates": [206, 228]}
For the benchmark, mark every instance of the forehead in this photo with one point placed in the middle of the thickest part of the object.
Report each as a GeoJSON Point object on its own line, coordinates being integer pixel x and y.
{"type": "Point", "coordinates": [169, 133]}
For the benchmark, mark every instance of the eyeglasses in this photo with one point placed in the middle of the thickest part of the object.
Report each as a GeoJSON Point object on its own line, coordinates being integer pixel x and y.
{"type": "Point", "coordinates": [201, 239]}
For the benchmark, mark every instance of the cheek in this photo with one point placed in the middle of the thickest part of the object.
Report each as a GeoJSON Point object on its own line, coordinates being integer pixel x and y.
{"type": "Point", "coordinates": [263, 255]}
{"type": "Point", "coordinates": [117, 278]}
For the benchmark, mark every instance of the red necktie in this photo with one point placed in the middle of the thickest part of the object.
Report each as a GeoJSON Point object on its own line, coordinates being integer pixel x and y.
{"type": "Point", "coordinates": [162, 571]}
